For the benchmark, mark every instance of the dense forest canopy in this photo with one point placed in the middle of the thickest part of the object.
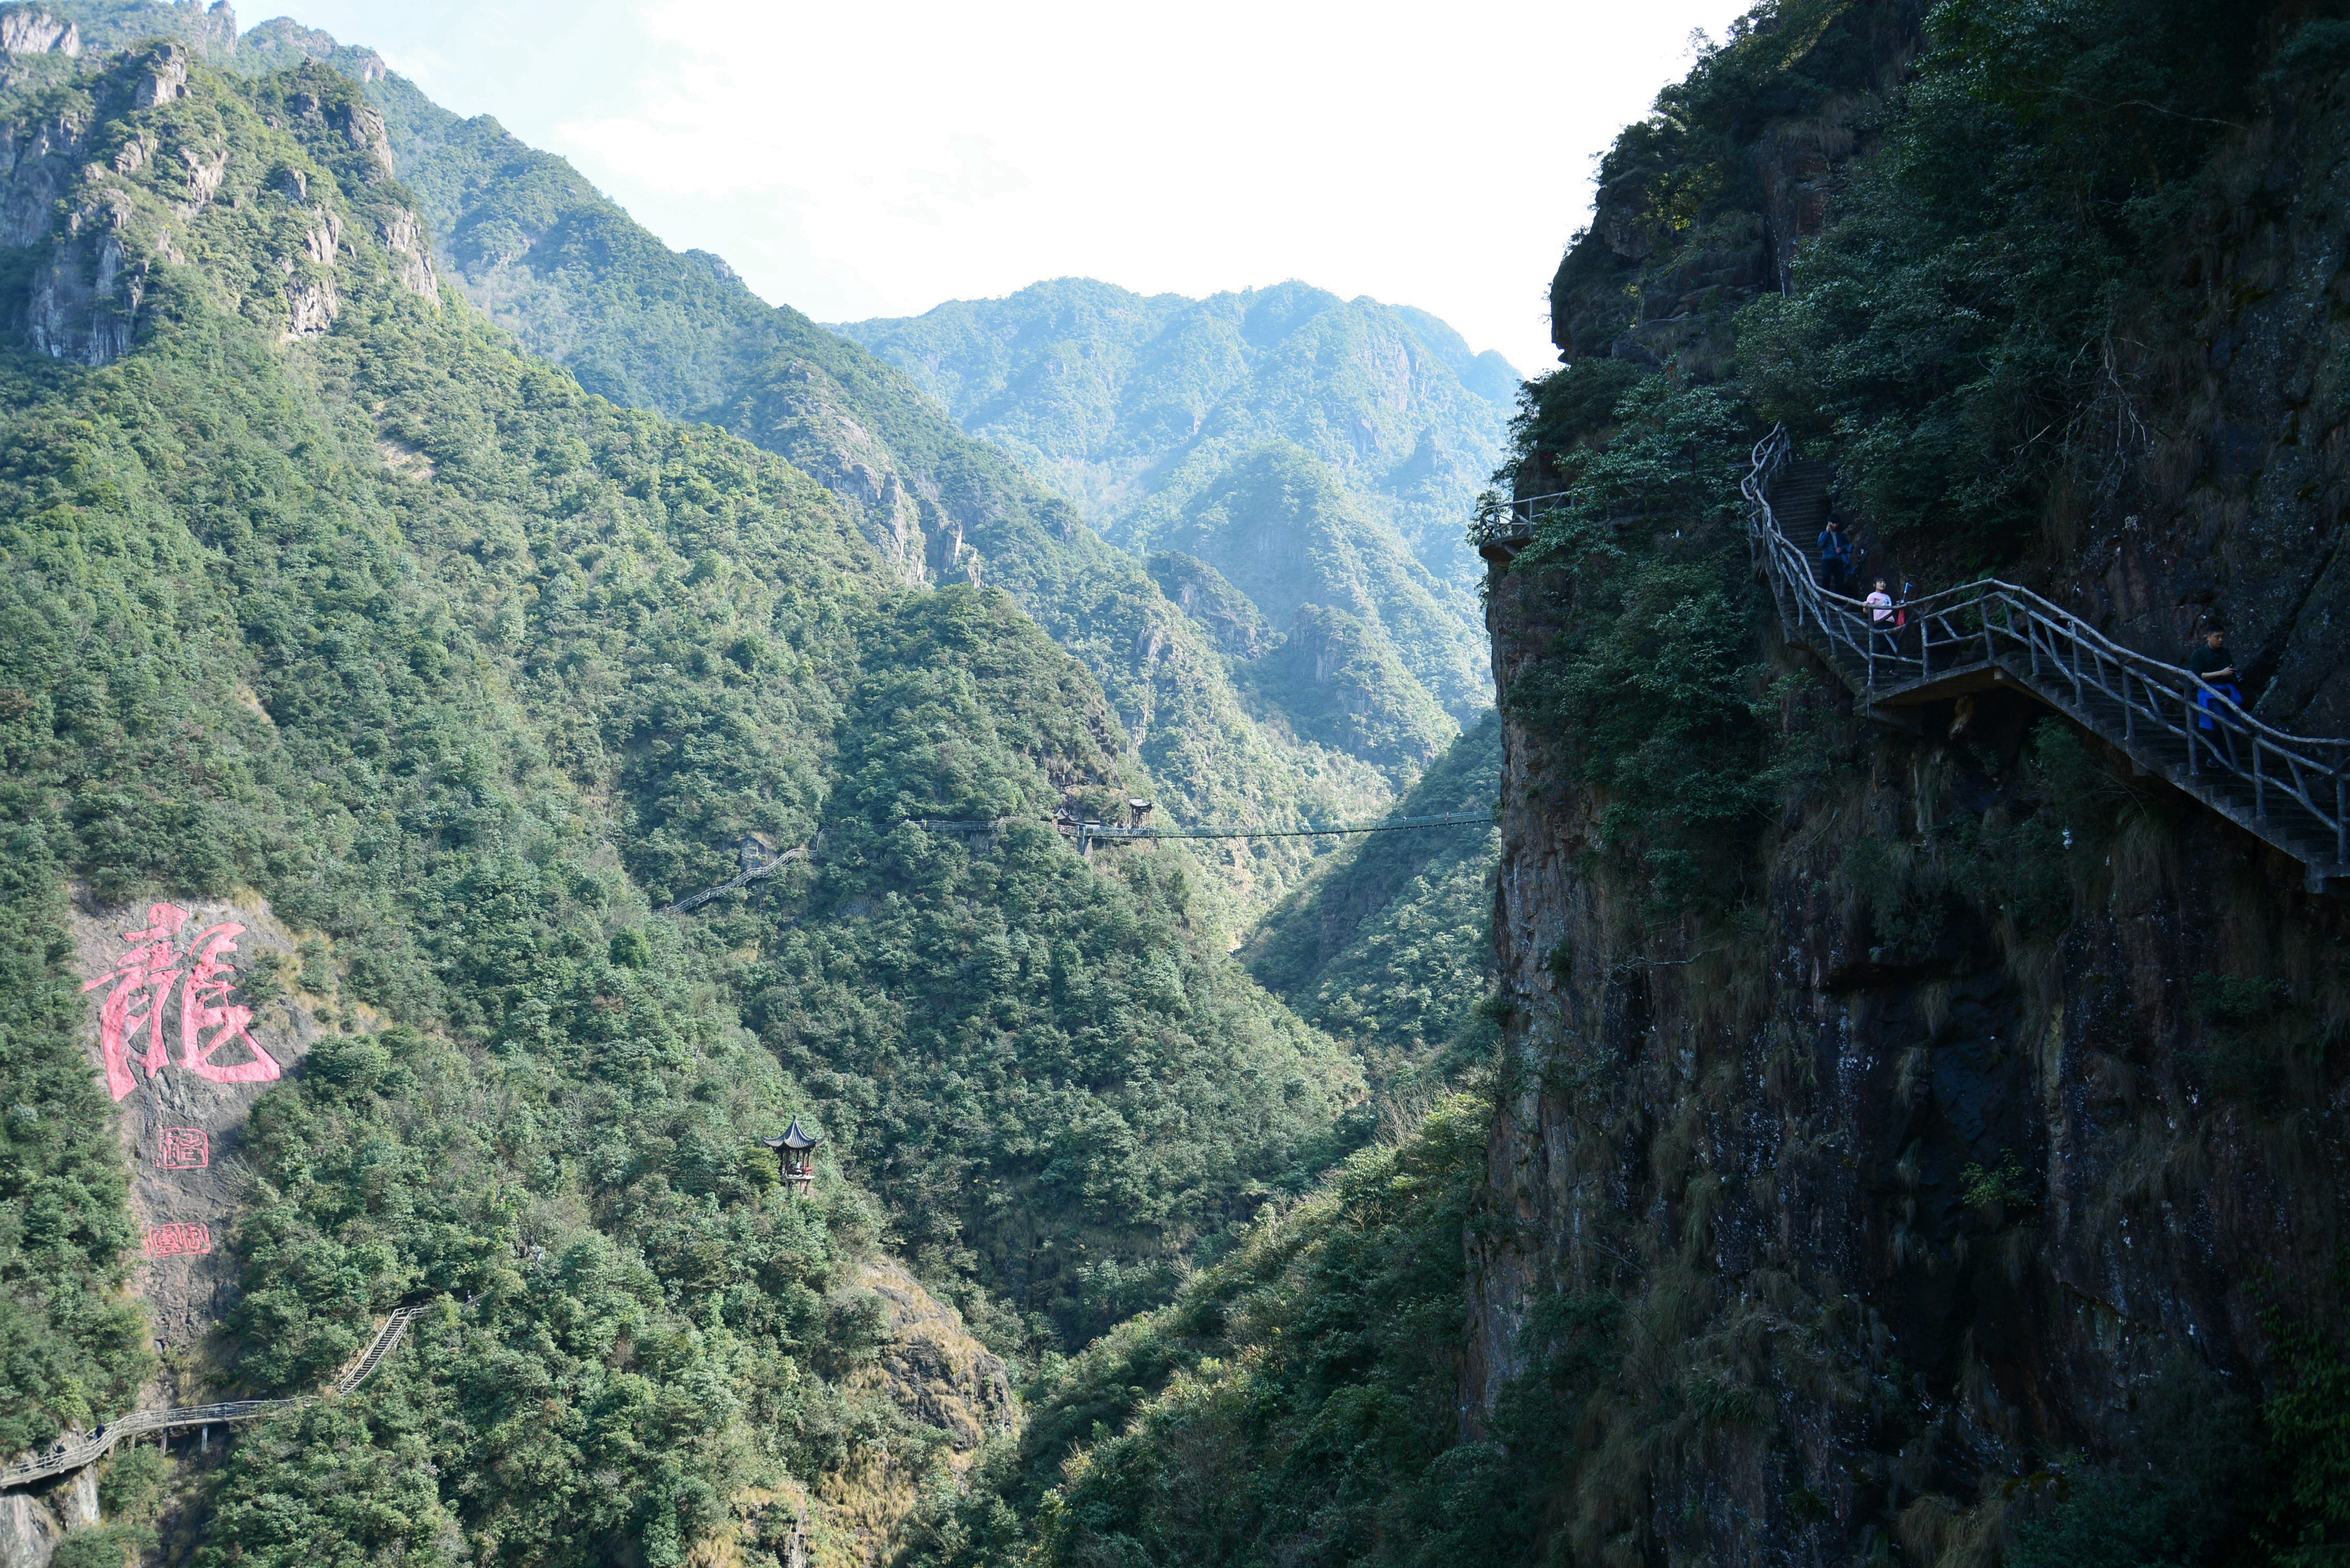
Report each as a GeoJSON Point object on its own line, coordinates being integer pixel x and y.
{"type": "Point", "coordinates": [322, 594]}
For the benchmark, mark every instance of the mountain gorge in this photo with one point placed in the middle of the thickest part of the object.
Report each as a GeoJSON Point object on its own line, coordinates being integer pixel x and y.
{"type": "Point", "coordinates": [1796, 1128]}
{"type": "Point", "coordinates": [546, 256]}
{"type": "Point", "coordinates": [372, 692]}
{"type": "Point", "coordinates": [1909, 1137]}
{"type": "Point", "coordinates": [1309, 450]}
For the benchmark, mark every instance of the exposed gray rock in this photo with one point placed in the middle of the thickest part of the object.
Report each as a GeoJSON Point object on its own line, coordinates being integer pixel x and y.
{"type": "Point", "coordinates": [323, 240]}
{"type": "Point", "coordinates": [206, 169]}
{"type": "Point", "coordinates": [363, 128]}
{"type": "Point", "coordinates": [212, 29]}
{"type": "Point", "coordinates": [77, 1501]}
{"type": "Point", "coordinates": [403, 236]}
{"type": "Point", "coordinates": [164, 79]}
{"type": "Point", "coordinates": [37, 30]}
{"type": "Point", "coordinates": [36, 169]}
{"type": "Point", "coordinates": [85, 301]}
{"type": "Point", "coordinates": [28, 1531]}
{"type": "Point", "coordinates": [311, 306]}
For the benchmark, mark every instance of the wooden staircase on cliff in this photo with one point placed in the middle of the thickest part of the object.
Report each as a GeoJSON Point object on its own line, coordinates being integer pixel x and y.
{"type": "Point", "coordinates": [2292, 791]}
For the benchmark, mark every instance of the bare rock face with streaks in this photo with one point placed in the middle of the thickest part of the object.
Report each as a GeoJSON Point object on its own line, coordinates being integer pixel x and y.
{"type": "Point", "coordinates": [195, 1009]}
{"type": "Point", "coordinates": [37, 30]}
{"type": "Point", "coordinates": [28, 1531]}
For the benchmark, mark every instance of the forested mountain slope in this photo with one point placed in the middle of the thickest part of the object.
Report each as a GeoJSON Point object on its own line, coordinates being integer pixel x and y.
{"type": "Point", "coordinates": [1313, 450]}
{"type": "Point", "coordinates": [1389, 943]}
{"type": "Point", "coordinates": [326, 606]}
{"type": "Point", "coordinates": [1120, 397]}
{"type": "Point", "coordinates": [548, 257]}
{"type": "Point", "coordinates": [1903, 1146]}
{"type": "Point", "coordinates": [574, 278]}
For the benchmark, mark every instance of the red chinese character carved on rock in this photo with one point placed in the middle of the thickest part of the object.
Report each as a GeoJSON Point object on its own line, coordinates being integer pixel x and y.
{"type": "Point", "coordinates": [183, 1148]}
{"type": "Point", "coordinates": [141, 981]}
{"type": "Point", "coordinates": [197, 1014]}
{"type": "Point", "coordinates": [144, 981]}
{"type": "Point", "coordinates": [177, 1241]}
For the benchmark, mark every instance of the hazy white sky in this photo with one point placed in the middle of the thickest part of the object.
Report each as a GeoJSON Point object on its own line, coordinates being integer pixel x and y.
{"type": "Point", "coordinates": [875, 159]}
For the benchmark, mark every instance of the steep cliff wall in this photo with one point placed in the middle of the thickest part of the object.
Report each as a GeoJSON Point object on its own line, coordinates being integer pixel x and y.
{"type": "Point", "coordinates": [1905, 1193]}
{"type": "Point", "coordinates": [1943, 1153]}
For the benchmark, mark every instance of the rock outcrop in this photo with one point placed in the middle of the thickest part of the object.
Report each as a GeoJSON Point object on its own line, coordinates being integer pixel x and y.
{"type": "Point", "coordinates": [943, 1381]}
{"type": "Point", "coordinates": [39, 162]}
{"type": "Point", "coordinates": [37, 30]}
{"type": "Point", "coordinates": [28, 1531]}
{"type": "Point", "coordinates": [84, 303]}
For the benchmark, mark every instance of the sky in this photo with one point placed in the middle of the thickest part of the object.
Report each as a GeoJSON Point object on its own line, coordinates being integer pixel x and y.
{"type": "Point", "coordinates": [877, 159]}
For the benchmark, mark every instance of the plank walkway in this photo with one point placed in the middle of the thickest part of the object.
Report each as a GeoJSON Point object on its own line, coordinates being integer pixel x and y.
{"type": "Point", "coordinates": [2291, 791]}
{"type": "Point", "coordinates": [80, 1448]}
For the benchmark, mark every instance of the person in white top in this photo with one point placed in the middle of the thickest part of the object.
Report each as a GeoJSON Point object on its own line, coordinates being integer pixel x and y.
{"type": "Point", "coordinates": [1880, 617]}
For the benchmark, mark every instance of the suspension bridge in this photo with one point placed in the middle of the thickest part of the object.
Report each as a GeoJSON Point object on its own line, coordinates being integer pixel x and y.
{"type": "Point", "coordinates": [1089, 833]}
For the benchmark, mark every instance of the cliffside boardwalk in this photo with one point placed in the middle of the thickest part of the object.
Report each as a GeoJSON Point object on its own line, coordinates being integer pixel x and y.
{"type": "Point", "coordinates": [2292, 791]}
{"type": "Point", "coordinates": [75, 1452]}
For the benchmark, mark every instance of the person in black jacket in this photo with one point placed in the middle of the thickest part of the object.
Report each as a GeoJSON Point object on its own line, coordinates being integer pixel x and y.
{"type": "Point", "coordinates": [2217, 693]}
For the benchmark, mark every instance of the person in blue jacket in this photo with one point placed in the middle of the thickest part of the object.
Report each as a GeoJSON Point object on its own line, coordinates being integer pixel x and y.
{"type": "Point", "coordinates": [1835, 558]}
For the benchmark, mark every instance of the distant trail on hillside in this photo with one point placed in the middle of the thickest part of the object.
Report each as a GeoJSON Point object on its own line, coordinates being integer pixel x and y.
{"type": "Point", "coordinates": [74, 1455]}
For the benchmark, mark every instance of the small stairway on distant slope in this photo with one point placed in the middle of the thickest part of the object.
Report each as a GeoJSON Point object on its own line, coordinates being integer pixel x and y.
{"type": "Point", "coordinates": [2292, 791]}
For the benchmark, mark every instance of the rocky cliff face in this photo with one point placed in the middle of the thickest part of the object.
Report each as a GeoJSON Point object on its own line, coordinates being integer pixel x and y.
{"type": "Point", "coordinates": [110, 176]}
{"type": "Point", "coordinates": [1902, 1197]}
{"type": "Point", "coordinates": [36, 30]}
{"type": "Point", "coordinates": [2222, 484]}
{"type": "Point", "coordinates": [2000, 1145]}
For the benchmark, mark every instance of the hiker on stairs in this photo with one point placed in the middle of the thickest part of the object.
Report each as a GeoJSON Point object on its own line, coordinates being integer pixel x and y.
{"type": "Point", "coordinates": [1836, 557]}
{"type": "Point", "coordinates": [2215, 667]}
{"type": "Point", "coordinates": [1880, 618]}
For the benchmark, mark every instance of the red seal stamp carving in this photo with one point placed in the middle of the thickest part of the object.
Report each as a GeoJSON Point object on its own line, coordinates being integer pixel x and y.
{"type": "Point", "coordinates": [175, 1241]}
{"type": "Point", "coordinates": [183, 1148]}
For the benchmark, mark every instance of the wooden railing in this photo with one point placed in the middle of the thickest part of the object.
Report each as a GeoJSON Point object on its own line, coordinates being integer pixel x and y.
{"type": "Point", "coordinates": [1499, 520]}
{"type": "Point", "coordinates": [84, 1448]}
{"type": "Point", "coordinates": [2292, 790]}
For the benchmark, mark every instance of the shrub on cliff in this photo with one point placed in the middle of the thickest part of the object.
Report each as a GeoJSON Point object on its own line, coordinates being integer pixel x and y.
{"type": "Point", "coordinates": [1652, 690]}
{"type": "Point", "coordinates": [1952, 331]}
